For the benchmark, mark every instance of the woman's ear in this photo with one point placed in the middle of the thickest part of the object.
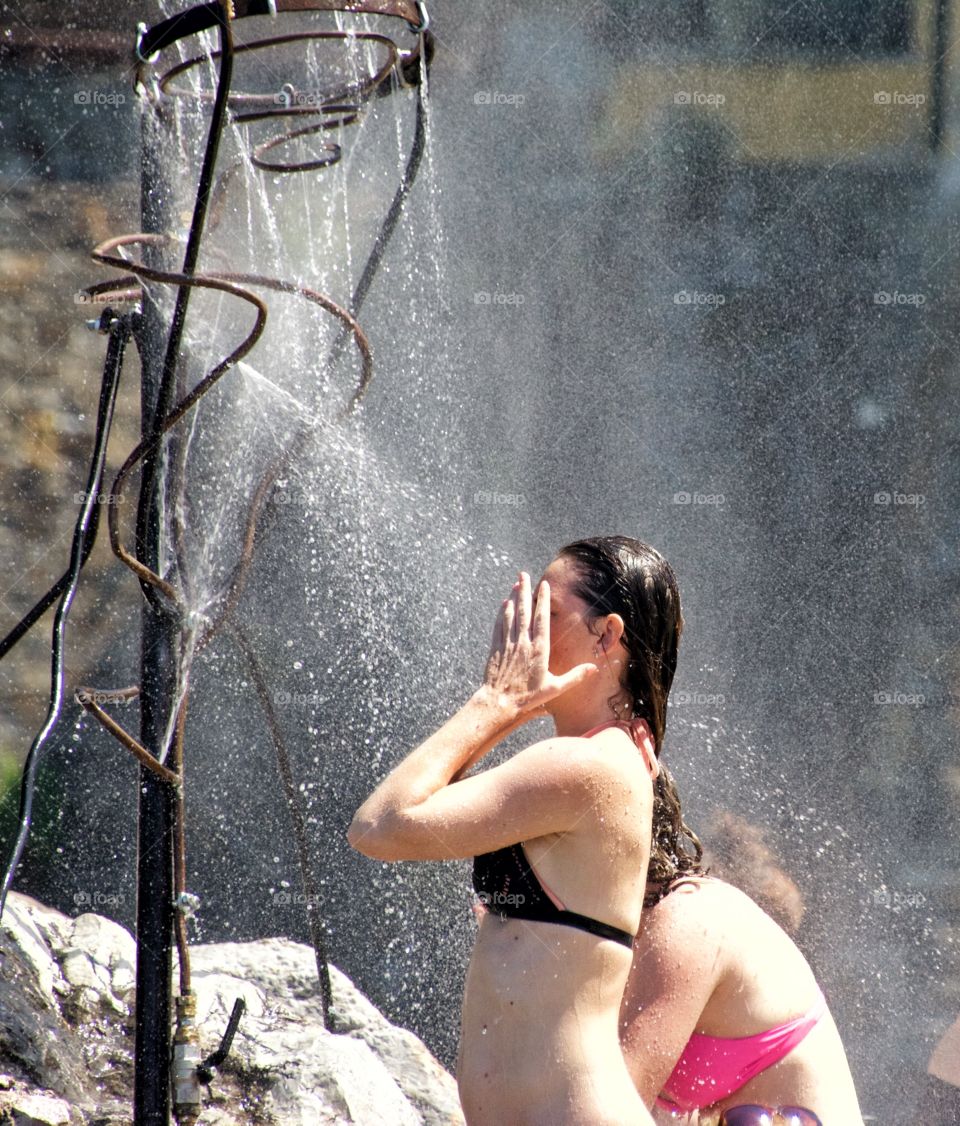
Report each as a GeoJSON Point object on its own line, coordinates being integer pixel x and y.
{"type": "Point", "coordinates": [612, 633]}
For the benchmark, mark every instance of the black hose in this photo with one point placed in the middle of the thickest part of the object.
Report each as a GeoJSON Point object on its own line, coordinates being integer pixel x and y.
{"type": "Point", "coordinates": [34, 615]}
{"type": "Point", "coordinates": [387, 227]}
{"type": "Point", "coordinates": [120, 329]}
{"type": "Point", "coordinates": [167, 392]}
{"type": "Point", "coordinates": [206, 1067]}
{"type": "Point", "coordinates": [298, 821]}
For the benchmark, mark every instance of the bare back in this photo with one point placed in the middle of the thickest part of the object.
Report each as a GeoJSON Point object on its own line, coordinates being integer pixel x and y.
{"type": "Point", "coordinates": [709, 960]}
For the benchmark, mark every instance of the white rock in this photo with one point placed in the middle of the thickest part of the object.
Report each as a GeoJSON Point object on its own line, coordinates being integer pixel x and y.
{"type": "Point", "coordinates": [282, 968]}
{"type": "Point", "coordinates": [78, 969]}
{"type": "Point", "coordinates": [284, 1069]}
{"type": "Point", "coordinates": [107, 943]}
{"type": "Point", "coordinates": [23, 920]}
{"type": "Point", "coordinates": [34, 1110]}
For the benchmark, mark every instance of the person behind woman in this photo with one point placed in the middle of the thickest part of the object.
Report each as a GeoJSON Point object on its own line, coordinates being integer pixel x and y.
{"type": "Point", "coordinates": [560, 832]}
{"type": "Point", "coordinates": [721, 1009]}
{"type": "Point", "coordinates": [940, 1101]}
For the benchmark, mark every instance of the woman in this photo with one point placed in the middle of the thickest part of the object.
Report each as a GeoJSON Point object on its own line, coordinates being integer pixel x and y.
{"type": "Point", "coordinates": [560, 832]}
{"type": "Point", "coordinates": [940, 1101]}
{"type": "Point", "coordinates": [721, 1010]}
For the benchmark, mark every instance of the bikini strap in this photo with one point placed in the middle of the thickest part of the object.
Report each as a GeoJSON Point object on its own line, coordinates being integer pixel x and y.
{"type": "Point", "coordinates": [638, 731]}
{"type": "Point", "coordinates": [594, 926]}
{"type": "Point", "coordinates": [582, 922]}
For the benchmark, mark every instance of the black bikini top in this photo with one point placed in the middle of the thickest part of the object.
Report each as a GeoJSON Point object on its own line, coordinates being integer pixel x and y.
{"type": "Point", "coordinates": [508, 886]}
{"type": "Point", "coordinates": [506, 883]}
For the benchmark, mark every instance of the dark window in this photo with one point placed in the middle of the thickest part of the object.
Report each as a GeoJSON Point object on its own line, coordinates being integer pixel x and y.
{"type": "Point", "coordinates": [868, 26]}
{"type": "Point", "coordinates": [656, 22]}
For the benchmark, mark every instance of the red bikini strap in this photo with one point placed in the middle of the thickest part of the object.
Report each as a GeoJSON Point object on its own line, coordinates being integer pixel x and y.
{"type": "Point", "coordinates": [640, 734]}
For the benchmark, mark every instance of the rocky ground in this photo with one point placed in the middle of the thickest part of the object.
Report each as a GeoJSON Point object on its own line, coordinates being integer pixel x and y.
{"type": "Point", "coordinates": [66, 1034]}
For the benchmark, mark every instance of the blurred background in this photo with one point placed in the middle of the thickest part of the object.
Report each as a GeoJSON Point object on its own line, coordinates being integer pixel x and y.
{"type": "Point", "coordinates": [682, 270]}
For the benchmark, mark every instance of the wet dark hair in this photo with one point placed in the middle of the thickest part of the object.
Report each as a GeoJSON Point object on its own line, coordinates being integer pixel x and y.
{"type": "Point", "coordinates": [619, 575]}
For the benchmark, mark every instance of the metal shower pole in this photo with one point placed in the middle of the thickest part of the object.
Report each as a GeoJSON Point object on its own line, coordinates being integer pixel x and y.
{"type": "Point", "coordinates": [159, 341]}
{"type": "Point", "coordinates": [158, 676]}
{"type": "Point", "coordinates": [158, 330]}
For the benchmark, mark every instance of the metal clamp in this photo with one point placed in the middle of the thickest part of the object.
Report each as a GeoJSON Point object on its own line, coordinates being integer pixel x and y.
{"type": "Point", "coordinates": [187, 904]}
{"type": "Point", "coordinates": [424, 19]}
{"type": "Point", "coordinates": [142, 30]}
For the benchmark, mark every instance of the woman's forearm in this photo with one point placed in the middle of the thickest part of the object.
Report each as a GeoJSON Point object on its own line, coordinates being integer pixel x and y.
{"type": "Point", "coordinates": [483, 721]}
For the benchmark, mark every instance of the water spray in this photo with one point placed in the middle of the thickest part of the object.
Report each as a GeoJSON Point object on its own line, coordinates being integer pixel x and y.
{"type": "Point", "coordinates": [172, 633]}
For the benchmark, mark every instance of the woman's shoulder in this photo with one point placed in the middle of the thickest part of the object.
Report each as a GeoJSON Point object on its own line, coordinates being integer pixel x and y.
{"type": "Point", "coordinates": [693, 903]}
{"type": "Point", "coordinates": [705, 902]}
{"type": "Point", "coordinates": [580, 769]}
{"type": "Point", "coordinates": [734, 921]}
{"type": "Point", "coordinates": [680, 940]}
{"type": "Point", "coordinates": [694, 892]}
{"type": "Point", "coordinates": [608, 757]}
{"type": "Point", "coordinates": [720, 921]}
{"type": "Point", "coordinates": [624, 740]}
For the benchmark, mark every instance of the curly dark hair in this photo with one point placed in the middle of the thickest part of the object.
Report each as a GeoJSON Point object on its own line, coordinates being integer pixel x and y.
{"type": "Point", "coordinates": [620, 575]}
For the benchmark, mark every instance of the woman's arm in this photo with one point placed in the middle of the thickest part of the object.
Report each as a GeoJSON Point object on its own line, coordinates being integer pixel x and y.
{"type": "Point", "coordinates": [677, 964]}
{"type": "Point", "coordinates": [476, 728]}
{"type": "Point", "coordinates": [546, 788]}
{"type": "Point", "coordinates": [415, 812]}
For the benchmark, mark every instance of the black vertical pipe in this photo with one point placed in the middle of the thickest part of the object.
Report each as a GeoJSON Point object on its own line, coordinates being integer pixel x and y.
{"type": "Point", "coordinates": [167, 390]}
{"type": "Point", "coordinates": [154, 877]}
{"type": "Point", "coordinates": [160, 629]}
{"type": "Point", "coordinates": [152, 1051]}
{"type": "Point", "coordinates": [938, 78]}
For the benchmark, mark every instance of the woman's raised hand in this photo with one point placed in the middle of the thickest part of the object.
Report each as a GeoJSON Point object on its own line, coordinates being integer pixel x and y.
{"type": "Point", "coordinates": [518, 666]}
